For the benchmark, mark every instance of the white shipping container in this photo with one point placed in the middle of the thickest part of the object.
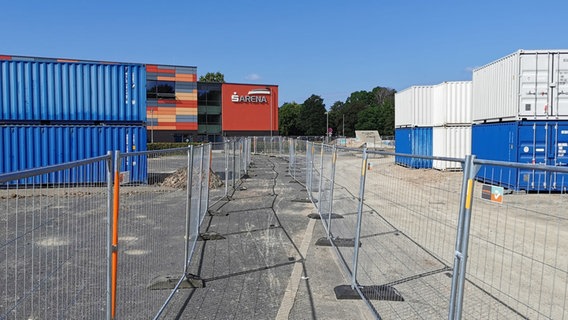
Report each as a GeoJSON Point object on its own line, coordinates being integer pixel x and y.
{"type": "Point", "coordinates": [526, 85]}
{"type": "Point", "coordinates": [413, 107]}
{"type": "Point", "coordinates": [451, 142]}
{"type": "Point", "coordinates": [403, 108]}
{"type": "Point", "coordinates": [451, 103]}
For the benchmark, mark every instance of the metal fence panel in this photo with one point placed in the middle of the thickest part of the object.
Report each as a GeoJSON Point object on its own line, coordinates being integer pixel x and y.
{"type": "Point", "coordinates": [218, 176]}
{"type": "Point", "coordinates": [517, 247]}
{"type": "Point", "coordinates": [54, 246]}
{"type": "Point", "coordinates": [151, 232]}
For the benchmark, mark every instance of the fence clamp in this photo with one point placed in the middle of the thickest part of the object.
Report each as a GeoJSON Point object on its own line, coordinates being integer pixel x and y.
{"type": "Point", "coordinates": [459, 255]}
{"type": "Point", "coordinates": [114, 248]}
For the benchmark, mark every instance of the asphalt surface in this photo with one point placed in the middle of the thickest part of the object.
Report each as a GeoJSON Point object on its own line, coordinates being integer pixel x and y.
{"type": "Point", "coordinates": [267, 266]}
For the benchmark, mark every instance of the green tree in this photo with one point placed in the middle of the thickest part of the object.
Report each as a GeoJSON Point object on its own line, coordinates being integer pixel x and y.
{"type": "Point", "coordinates": [386, 118]}
{"type": "Point", "coordinates": [368, 119]}
{"type": "Point", "coordinates": [312, 116]}
{"type": "Point", "coordinates": [336, 117]}
{"type": "Point", "coordinates": [212, 77]}
{"type": "Point", "coordinates": [357, 102]}
{"type": "Point", "coordinates": [384, 98]}
{"type": "Point", "coordinates": [288, 119]}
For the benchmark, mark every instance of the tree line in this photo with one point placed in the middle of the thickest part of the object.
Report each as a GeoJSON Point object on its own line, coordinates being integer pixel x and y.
{"type": "Point", "coordinates": [362, 110]}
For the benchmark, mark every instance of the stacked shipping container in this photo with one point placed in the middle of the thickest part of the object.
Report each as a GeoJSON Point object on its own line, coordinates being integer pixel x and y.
{"type": "Point", "coordinates": [520, 105]}
{"type": "Point", "coordinates": [433, 121]}
{"type": "Point", "coordinates": [413, 134]}
{"type": "Point", "coordinates": [54, 111]}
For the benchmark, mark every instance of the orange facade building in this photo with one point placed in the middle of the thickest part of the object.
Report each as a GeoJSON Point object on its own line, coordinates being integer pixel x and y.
{"type": "Point", "coordinates": [249, 109]}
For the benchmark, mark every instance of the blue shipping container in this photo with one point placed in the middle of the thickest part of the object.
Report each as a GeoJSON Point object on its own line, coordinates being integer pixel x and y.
{"type": "Point", "coordinates": [533, 142]}
{"type": "Point", "coordinates": [28, 147]}
{"type": "Point", "coordinates": [72, 91]}
{"type": "Point", "coordinates": [415, 141]}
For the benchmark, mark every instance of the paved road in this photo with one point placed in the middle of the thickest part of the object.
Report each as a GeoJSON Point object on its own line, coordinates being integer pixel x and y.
{"type": "Point", "coordinates": [267, 267]}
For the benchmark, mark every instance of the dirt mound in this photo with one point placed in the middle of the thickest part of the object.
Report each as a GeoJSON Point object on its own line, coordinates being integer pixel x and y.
{"type": "Point", "coordinates": [178, 180]}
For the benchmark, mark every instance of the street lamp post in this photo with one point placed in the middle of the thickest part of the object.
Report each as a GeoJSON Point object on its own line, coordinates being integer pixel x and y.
{"type": "Point", "coordinates": [327, 127]}
{"type": "Point", "coordinates": [270, 105]}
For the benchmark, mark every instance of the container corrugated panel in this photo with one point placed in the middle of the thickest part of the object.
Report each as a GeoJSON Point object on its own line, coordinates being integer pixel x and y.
{"type": "Point", "coordinates": [67, 91]}
{"type": "Point", "coordinates": [533, 142]}
{"type": "Point", "coordinates": [403, 144]}
{"type": "Point", "coordinates": [29, 147]}
{"type": "Point", "coordinates": [423, 108]}
{"type": "Point", "coordinates": [451, 103]}
{"type": "Point", "coordinates": [526, 85]}
{"type": "Point", "coordinates": [451, 142]}
{"type": "Point", "coordinates": [413, 107]}
{"type": "Point", "coordinates": [415, 141]}
{"type": "Point", "coordinates": [403, 114]}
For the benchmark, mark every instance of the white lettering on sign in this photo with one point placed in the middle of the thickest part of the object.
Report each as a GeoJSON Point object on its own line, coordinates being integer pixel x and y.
{"type": "Point", "coordinates": [248, 99]}
{"type": "Point", "coordinates": [564, 132]}
{"type": "Point", "coordinates": [539, 149]}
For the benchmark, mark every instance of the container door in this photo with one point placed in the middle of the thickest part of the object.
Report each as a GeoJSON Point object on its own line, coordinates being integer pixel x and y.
{"type": "Point", "coordinates": [534, 148]}
{"type": "Point", "coordinates": [421, 145]}
{"type": "Point", "coordinates": [534, 85]}
{"type": "Point", "coordinates": [560, 85]}
{"type": "Point", "coordinates": [403, 145]}
{"type": "Point", "coordinates": [558, 156]}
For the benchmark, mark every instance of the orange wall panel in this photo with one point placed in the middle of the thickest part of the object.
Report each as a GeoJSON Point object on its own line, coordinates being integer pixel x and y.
{"type": "Point", "coordinates": [186, 77]}
{"type": "Point", "coordinates": [170, 71]}
{"type": "Point", "coordinates": [186, 125]}
{"type": "Point", "coordinates": [164, 78]}
{"type": "Point", "coordinates": [186, 112]}
{"type": "Point", "coordinates": [258, 112]}
{"type": "Point", "coordinates": [165, 111]}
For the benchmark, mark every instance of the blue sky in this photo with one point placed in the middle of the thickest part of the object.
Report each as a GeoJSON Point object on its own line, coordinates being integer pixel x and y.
{"type": "Point", "coordinates": [328, 48]}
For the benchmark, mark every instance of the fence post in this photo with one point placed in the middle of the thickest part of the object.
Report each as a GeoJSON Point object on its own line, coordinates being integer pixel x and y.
{"type": "Point", "coordinates": [248, 154]}
{"type": "Point", "coordinates": [110, 202]}
{"type": "Point", "coordinates": [332, 187]}
{"type": "Point", "coordinates": [115, 209]}
{"type": "Point", "coordinates": [359, 218]}
{"type": "Point", "coordinates": [208, 175]}
{"type": "Point", "coordinates": [291, 162]}
{"type": "Point", "coordinates": [234, 163]}
{"type": "Point", "coordinates": [226, 146]}
{"type": "Point", "coordinates": [320, 187]}
{"type": "Point", "coordinates": [462, 239]}
{"type": "Point", "coordinates": [239, 158]}
{"type": "Point", "coordinates": [188, 206]}
{"type": "Point", "coordinates": [245, 155]}
{"type": "Point", "coordinates": [200, 188]}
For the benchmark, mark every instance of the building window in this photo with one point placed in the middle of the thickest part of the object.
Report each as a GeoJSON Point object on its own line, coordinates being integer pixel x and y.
{"type": "Point", "coordinates": [209, 94]}
{"type": "Point", "coordinates": [157, 89]}
{"type": "Point", "coordinates": [209, 119]}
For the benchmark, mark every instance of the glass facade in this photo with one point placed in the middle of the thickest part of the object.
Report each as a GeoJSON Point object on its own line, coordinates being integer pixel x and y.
{"type": "Point", "coordinates": [209, 101]}
{"type": "Point", "coordinates": [209, 94]}
{"type": "Point", "coordinates": [156, 89]}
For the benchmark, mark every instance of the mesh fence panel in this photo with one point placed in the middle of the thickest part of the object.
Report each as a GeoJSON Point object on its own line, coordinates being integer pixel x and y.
{"type": "Point", "coordinates": [54, 243]}
{"type": "Point", "coordinates": [517, 245]}
{"type": "Point", "coordinates": [408, 237]}
{"type": "Point", "coordinates": [218, 177]}
{"type": "Point", "coordinates": [151, 232]}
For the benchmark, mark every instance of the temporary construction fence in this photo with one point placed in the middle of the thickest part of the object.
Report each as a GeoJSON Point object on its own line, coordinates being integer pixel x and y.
{"type": "Point", "coordinates": [117, 249]}
{"type": "Point", "coordinates": [434, 244]}
{"type": "Point", "coordinates": [275, 145]}
{"type": "Point", "coordinates": [54, 246]}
